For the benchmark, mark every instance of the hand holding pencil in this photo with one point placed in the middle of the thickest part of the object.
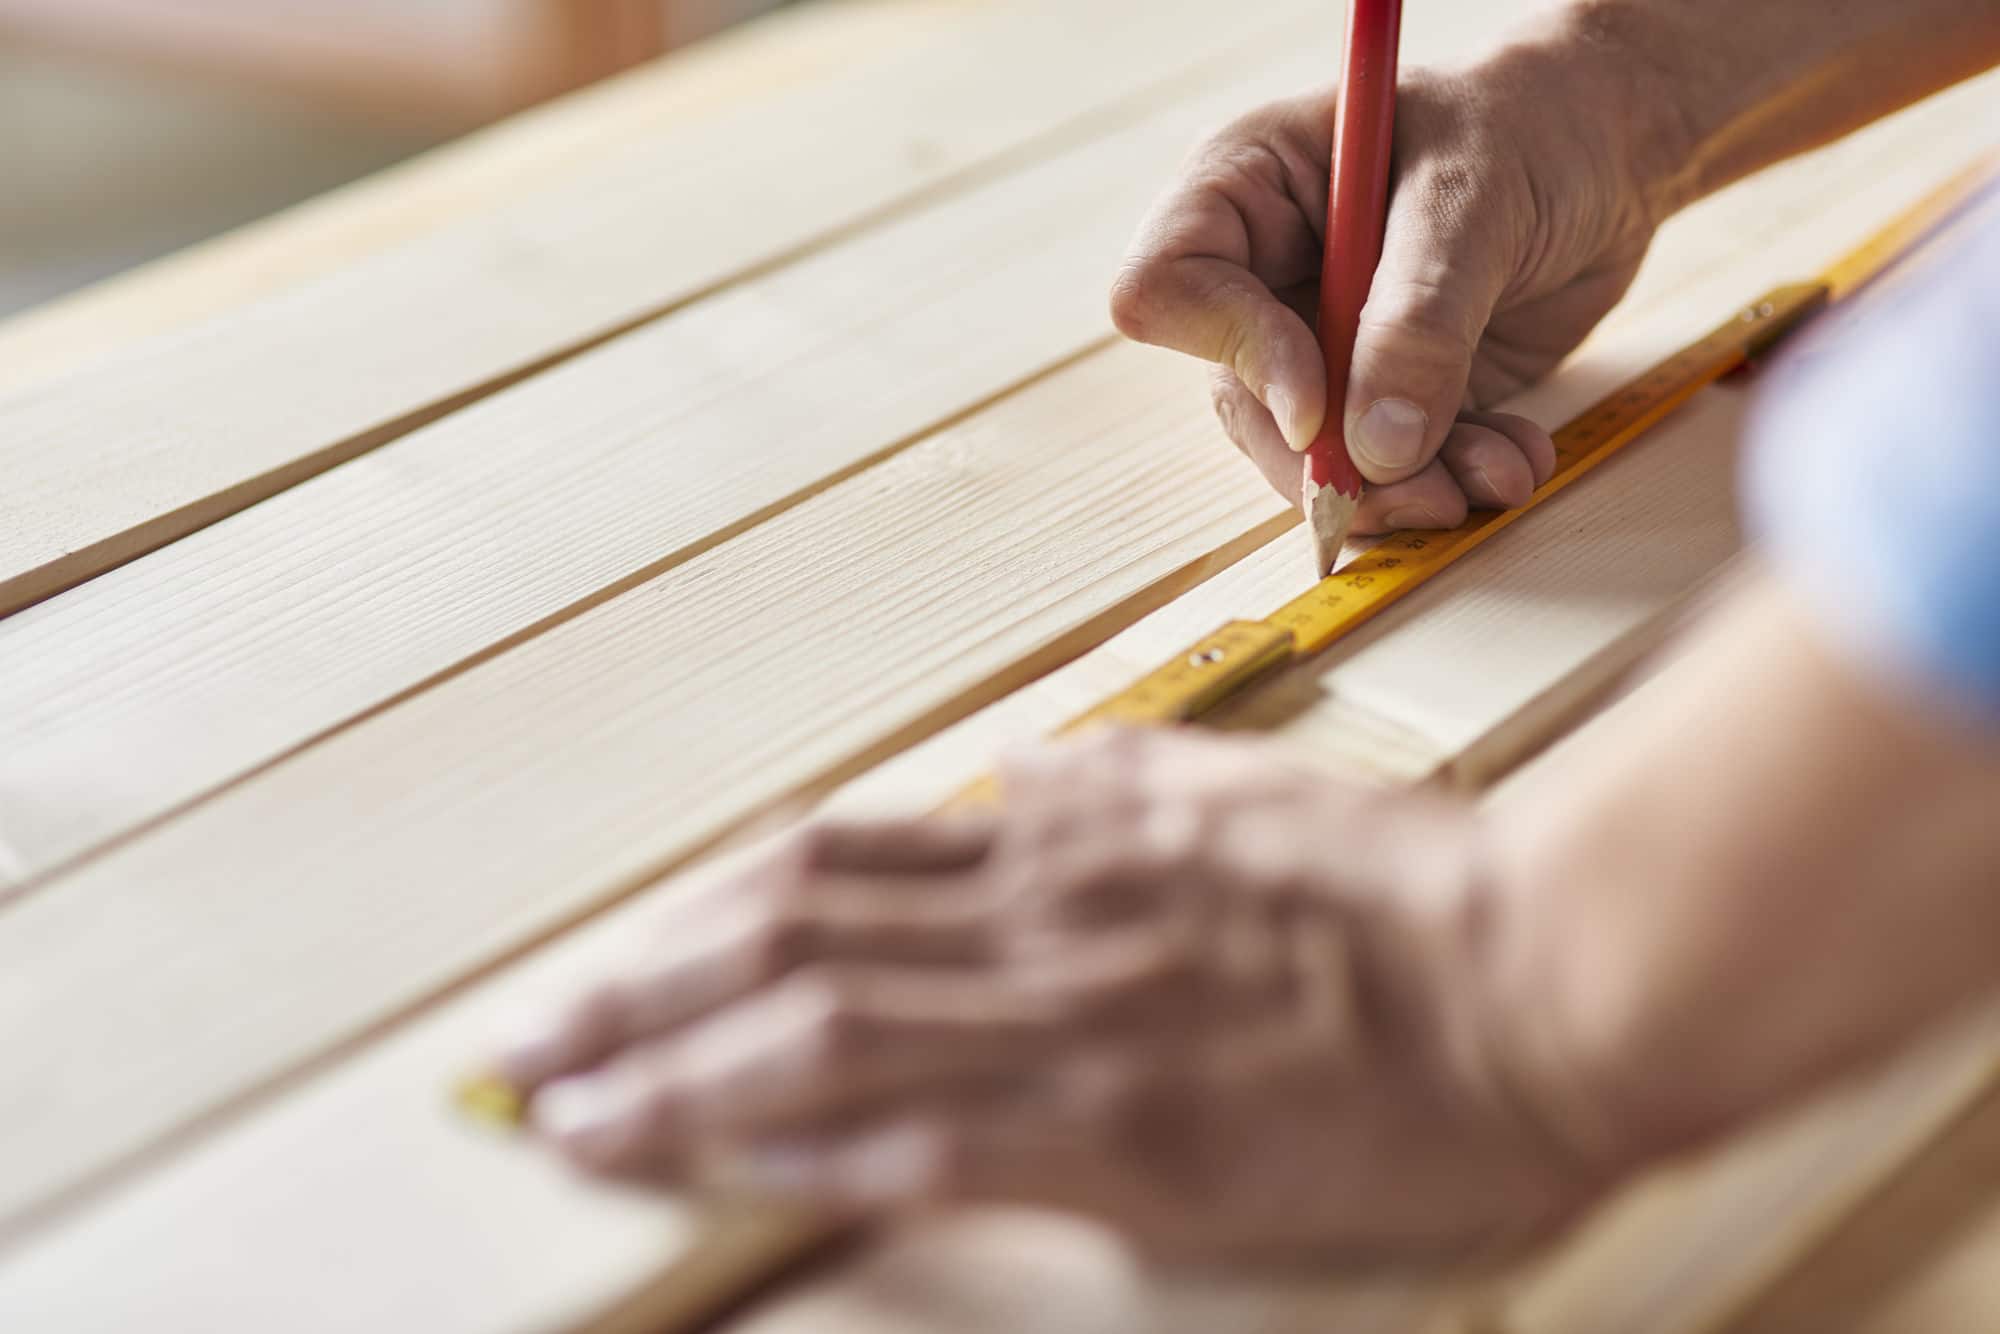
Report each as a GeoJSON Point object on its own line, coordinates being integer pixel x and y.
{"type": "Point", "coordinates": [1357, 206]}
{"type": "Point", "coordinates": [1478, 292]}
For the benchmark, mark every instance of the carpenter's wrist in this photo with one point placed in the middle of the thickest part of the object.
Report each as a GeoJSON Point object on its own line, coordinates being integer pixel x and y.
{"type": "Point", "coordinates": [1633, 84]}
{"type": "Point", "coordinates": [1521, 965]}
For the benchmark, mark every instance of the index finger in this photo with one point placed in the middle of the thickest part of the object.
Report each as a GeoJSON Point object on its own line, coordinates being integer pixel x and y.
{"type": "Point", "coordinates": [1189, 284]}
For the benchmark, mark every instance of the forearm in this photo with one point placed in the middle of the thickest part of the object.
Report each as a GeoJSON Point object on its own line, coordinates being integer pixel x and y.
{"type": "Point", "coordinates": [1709, 91]}
{"type": "Point", "coordinates": [1764, 873]}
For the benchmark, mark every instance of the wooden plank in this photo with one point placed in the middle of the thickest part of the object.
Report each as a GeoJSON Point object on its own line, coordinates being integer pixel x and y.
{"type": "Point", "coordinates": [1688, 1249]}
{"type": "Point", "coordinates": [1679, 1252]}
{"type": "Point", "coordinates": [800, 46]}
{"type": "Point", "coordinates": [419, 796]}
{"type": "Point", "coordinates": [381, 1131]}
{"type": "Point", "coordinates": [424, 841]}
{"type": "Point", "coordinates": [1922, 1254]}
{"type": "Point", "coordinates": [175, 434]}
{"type": "Point", "coordinates": [562, 488]}
{"type": "Point", "coordinates": [481, 720]}
{"type": "Point", "coordinates": [203, 660]}
{"type": "Point", "coordinates": [375, 1128]}
{"type": "Point", "coordinates": [355, 829]}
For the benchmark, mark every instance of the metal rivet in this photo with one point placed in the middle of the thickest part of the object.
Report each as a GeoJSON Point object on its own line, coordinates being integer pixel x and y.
{"type": "Point", "coordinates": [1206, 658]}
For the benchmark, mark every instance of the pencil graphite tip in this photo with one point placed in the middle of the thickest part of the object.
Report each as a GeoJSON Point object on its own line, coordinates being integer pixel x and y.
{"type": "Point", "coordinates": [1329, 514]}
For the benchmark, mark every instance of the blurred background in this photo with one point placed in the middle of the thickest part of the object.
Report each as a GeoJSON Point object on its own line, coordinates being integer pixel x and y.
{"type": "Point", "coordinates": [131, 128]}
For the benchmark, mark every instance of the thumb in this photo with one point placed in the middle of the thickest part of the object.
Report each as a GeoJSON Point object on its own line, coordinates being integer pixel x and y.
{"type": "Point", "coordinates": [1432, 296]}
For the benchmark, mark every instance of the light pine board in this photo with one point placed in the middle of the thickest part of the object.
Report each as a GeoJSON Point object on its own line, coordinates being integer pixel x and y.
{"type": "Point", "coordinates": [166, 889]}
{"type": "Point", "coordinates": [376, 1129]}
{"type": "Point", "coordinates": [791, 49]}
{"type": "Point", "coordinates": [137, 449]}
{"type": "Point", "coordinates": [215, 1237]}
{"type": "Point", "coordinates": [201, 660]}
{"type": "Point", "coordinates": [1687, 1250]}
{"type": "Point", "coordinates": [459, 863]}
{"type": "Point", "coordinates": [1923, 1254]}
{"type": "Point", "coordinates": [569, 714]}
{"type": "Point", "coordinates": [384, 863]}
{"type": "Point", "coordinates": [238, 643]}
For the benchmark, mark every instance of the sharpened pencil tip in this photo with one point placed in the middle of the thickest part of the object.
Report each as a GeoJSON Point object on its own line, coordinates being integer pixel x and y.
{"type": "Point", "coordinates": [1329, 514]}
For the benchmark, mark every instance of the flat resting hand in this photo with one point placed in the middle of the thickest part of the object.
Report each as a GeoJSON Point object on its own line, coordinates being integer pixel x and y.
{"type": "Point", "coordinates": [1135, 993]}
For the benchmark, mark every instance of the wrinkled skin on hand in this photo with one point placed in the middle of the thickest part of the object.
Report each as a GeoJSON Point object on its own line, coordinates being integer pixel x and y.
{"type": "Point", "coordinates": [1516, 222]}
{"type": "Point", "coordinates": [1171, 984]}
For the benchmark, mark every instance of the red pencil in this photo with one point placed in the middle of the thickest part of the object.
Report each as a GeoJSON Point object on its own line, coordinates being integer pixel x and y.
{"type": "Point", "coordinates": [1357, 206]}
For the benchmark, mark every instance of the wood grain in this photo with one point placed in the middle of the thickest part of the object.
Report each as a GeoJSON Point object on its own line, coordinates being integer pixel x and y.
{"type": "Point", "coordinates": [203, 660]}
{"type": "Point", "coordinates": [383, 864]}
{"type": "Point", "coordinates": [411, 562]}
{"type": "Point", "coordinates": [1919, 1255]}
{"type": "Point", "coordinates": [341, 930]}
{"type": "Point", "coordinates": [452, 788]}
{"type": "Point", "coordinates": [177, 433]}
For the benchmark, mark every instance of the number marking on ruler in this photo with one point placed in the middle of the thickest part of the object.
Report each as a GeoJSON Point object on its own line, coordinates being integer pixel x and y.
{"type": "Point", "coordinates": [1191, 684]}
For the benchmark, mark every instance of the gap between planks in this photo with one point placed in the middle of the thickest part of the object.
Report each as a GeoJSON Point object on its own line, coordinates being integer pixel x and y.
{"type": "Point", "coordinates": [108, 884]}
{"type": "Point", "coordinates": [400, 337]}
{"type": "Point", "coordinates": [400, 570]}
{"type": "Point", "coordinates": [310, 787]}
{"type": "Point", "coordinates": [175, 676]}
{"type": "Point", "coordinates": [690, 731]}
{"type": "Point", "coordinates": [603, 1218]}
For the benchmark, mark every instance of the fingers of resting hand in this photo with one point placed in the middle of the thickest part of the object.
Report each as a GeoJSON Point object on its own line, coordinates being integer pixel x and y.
{"type": "Point", "coordinates": [1028, 1145]}
{"type": "Point", "coordinates": [1087, 1136]}
{"type": "Point", "coordinates": [721, 950]}
{"type": "Point", "coordinates": [797, 1055]}
{"type": "Point", "coordinates": [915, 846]}
{"type": "Point", "coordinates": [834, 1040]}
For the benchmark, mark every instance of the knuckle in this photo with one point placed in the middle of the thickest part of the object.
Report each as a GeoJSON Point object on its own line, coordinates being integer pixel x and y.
{"type": "Point", "coordinates": [808, 848]}
{"type": "Point", "coordinates": [941, 1153]}
{"type": "Point", "coordinates": [598, 1020]}
{"type": "Point", "coordinates": [1114, 750]}
{"type": "Point", "coordinates": [1423, 317]}
{"type": "Point", "coordinates": [945, 1157]}
{"type": "Point", "coordinates": [780, 941]}
{"type": "Point", "coordinates": [834, 1018]}
{"type": "Point", "coordinates": [654, 1113]}
{"type": "Point", "coordinates": [1111, 1094]}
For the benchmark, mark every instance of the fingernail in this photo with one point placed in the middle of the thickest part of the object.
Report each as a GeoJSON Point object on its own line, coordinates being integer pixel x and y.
{"type": "Point", "coordinates": [1487, 491]}
{"type": "Point", "coordinates": [1390, 435]}
{"type": "Point", "coordinates": [1412, 516]}
{"type": "Point", "coordinates": [1285, 410]}
{"type": "Point", "coordinates": [534, 1054]}
{"type": "Point", "coordinates": [578, 1113]}
{"type": "Point", "coordinates": [774, 1171]}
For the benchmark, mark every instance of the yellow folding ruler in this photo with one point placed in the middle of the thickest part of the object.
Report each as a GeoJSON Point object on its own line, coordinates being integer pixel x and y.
{"type": "Point", "coordinates": [1221, 664]}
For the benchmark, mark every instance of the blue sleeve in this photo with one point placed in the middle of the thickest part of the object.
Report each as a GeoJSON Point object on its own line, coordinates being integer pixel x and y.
{"type": "Point", "coordinates": [1873, 477]}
